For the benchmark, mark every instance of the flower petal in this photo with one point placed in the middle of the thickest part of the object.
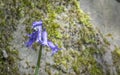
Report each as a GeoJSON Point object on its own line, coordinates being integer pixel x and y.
{"type": "Point", "coordinates": [37, 23]}
{"type": "Point", "coordinates": [32, 39]}
{"type": "Point", "coordinates": [55, 50]}
{"type": "Point", "coordinates": [39, 29]}
{"type": "Point", "coordinates": [39, 37]}
{"type": "Point", "coordinates": [44, 38]}
{"type": "Point", "coordinates": [53, 47]}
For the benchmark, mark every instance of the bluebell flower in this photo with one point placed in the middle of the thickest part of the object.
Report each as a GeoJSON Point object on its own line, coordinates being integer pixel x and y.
{"type": "Point", "coordinates": [40, 36]}
{"type": "Point", "coordinates": [36, 35]}
{"type": "Point", "coordinates": [44, 38]}
{"type": "Point", "coordinates": [53, 47]}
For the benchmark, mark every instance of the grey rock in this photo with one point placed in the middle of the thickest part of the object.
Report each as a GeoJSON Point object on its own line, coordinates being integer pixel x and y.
{"type": "Point", "coordinates": [5, 55]}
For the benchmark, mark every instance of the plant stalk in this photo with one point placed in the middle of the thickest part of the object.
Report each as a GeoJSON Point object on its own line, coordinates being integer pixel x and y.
{"type": "Point", "coordinates": [38, 61]}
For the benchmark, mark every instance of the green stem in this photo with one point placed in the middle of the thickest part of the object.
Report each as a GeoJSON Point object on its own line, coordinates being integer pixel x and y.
{"type": "Point", "coordinates": [38, 61]}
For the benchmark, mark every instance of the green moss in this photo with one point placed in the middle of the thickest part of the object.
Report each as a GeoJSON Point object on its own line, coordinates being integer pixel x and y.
{"type": "Point", "coordinates": [59, 9]}
{"type": "Point", "coordinates": [87, 36]}
{"type": "Point", "coordinates": [81, 16]}
{"type": "Point", "coordinates": [47, 11]}
{"type": "Point", "coordinates": [48, 22]}
{"type": "Point", "coordinates": [116, 59]}
{"type": "Point", "coordinates": [79, 61]}
{"type": "Point", "coordinates": [7, 26]}
{"type": "Point", "coordinates": [106, 41]}
{"type": "Point", "coordinates": [48, 70]}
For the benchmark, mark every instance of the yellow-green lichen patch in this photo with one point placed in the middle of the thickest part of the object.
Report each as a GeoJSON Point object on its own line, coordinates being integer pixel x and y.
{"type": "Point", "coordinates": [116, 59]}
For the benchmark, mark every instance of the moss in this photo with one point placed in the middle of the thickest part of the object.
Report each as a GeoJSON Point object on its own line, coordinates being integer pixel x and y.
{"type": "Point", "coordinates": [87, 36]}
{"type": "Point", "coordinates": [7, 26]}
{"type": "Point", "coordinates": [79, 61]}
{"type": "Point", "coordinates": [106, 42]}
{"type": "Point", "coordinates": [48, 22]}
{"type": "Point", "coordinates": [59, 9]}
{"type": "Point", "coordinates": [48, 70]}
{"type": "Point", "coordinates": [116, 60]}
{"type": "Point", "coordinates": [81, 16]}
{"type": "Point", "coordinates": [47, 11]}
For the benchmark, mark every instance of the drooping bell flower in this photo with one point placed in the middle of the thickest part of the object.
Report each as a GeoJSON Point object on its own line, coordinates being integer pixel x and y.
{"type": "Point", "coordinates": [36, 35]}
{"type": "Point", "coordinates": [53, 47]}
{"type": "Point", "coordinates": [40, 36]}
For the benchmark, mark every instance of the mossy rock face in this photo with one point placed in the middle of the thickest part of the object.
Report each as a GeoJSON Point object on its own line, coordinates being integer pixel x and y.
{"type": "Point", "coordinates": [8, 22]}
{"type": "Point", "coordinates": [77, 62]}
{"type": "Point", "coordinates": [67, 26]}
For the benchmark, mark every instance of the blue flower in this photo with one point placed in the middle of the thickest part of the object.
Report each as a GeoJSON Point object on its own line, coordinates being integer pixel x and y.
{"type": "Point", "coordinates": [44, 38]}
{"type": "Point", "coordinates": [36, 23]}
{"type": "Point", "coordinates": [36, 35]}
{"type": "Point", "coordinates": [32, 38]}
{"type": "Point", "coordinates": [40, 36]}
{"type": "Point", "coordinates": [53, 47]}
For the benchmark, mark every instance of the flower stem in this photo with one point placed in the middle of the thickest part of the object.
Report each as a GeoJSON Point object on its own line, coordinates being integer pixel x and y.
{"type": "Point", "coordinates": [38, 61]}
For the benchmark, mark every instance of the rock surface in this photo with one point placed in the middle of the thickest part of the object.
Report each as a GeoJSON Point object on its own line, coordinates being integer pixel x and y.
{"type": "Point", "coordinates": [85, 50]}
{"type": "Point", "coordinates": [105, 16]}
